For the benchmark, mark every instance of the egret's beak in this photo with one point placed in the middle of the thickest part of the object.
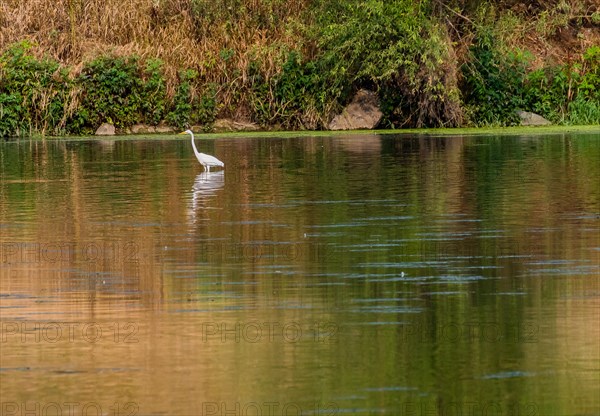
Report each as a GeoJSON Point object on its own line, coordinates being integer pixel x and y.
{"type": "Point", "coordinates": [183, 132]}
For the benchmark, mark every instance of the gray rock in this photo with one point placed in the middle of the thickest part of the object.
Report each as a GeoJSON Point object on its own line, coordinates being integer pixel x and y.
{"type": "Point", "coordinates": [142, 129]}
{"type": "Point", "coordinates": [362, 113]}
{"type": "Point", "coordinates": [164, 129]}
{"type": "Point", "coordinates": [224, 125]}
{"type": "Point", "coordinates": [532, 119]}
{"type": "Point", "coordinates": [106, 129]}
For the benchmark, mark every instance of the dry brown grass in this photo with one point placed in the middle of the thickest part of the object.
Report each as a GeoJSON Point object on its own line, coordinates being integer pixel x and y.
{"type": "Point", "coordinates": [174, 31]}
{"type": "Point", "coordinates": [192, 33]}
{"type": "Point", "coordinates": [555, 32]}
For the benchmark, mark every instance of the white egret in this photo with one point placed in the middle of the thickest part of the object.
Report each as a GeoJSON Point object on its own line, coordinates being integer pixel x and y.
{"type": "Point", "coordinates": [205, 160]}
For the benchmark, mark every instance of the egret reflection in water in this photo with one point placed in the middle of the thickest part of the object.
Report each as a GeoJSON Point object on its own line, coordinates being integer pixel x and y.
{"type": "Point", "coordinates": [206, 185]}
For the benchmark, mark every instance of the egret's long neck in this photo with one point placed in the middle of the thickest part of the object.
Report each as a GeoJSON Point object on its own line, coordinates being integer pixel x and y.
{"type": "Point", "coordinates": [194, 145]}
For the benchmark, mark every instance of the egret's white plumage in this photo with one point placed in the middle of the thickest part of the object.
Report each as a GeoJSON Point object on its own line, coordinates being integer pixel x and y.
{"type": "Point", "coordinates": [205, 160]}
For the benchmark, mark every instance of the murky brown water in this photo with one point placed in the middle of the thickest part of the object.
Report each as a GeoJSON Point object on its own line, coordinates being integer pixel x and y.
{"type": "Point", "coordinates": [317, 276]}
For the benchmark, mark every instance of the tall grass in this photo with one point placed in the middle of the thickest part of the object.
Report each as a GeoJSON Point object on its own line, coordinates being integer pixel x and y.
{"type": "Point", "coordinates": [194, 34]}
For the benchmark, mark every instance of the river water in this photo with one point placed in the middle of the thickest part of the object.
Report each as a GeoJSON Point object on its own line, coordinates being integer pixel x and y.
{"type": "Point", "coordinates": [357, 274]}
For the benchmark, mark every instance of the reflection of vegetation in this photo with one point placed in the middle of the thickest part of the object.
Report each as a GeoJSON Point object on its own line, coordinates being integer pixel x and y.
{"type": "Point", "coordinates": [379, 204]}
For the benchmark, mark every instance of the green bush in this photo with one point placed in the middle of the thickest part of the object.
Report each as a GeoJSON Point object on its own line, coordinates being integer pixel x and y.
{"type": "Point", "coordinates": [398, 48]}
{"type": "Point", "coordinates": [154, 100]}
{"type": "Point", "coordinates": [119, 90]}
{"type": "Point", "coordinates": [112, 91]}
{"type": "Point", "coordinates": [584, 111]}
{"type": "Point", "coordinates": [181, 111]}
{"type": "Point", "coordinates": [290, 99]}
{"type": "Point", "coordinates": [188, 108]}
{"type": "Point", "coordinates": [547, 92]}
{"type": "Point", "coordinates": [10, 115]}
{"type": "Point", "coordinates": [567, 94]}
{"type": "Point", "coordinates": [206, 109]}
{"type": "Point", "coordinates": [494, 82]}
{"type": "Point", "coordinates": [589, 86]}
{"type": "Point", "coordinates": [34, 94]}
{"type": "Point", "coordinates": [39, 96]}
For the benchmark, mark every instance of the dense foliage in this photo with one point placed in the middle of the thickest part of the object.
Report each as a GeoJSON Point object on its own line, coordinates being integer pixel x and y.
{"type": "Point", "coordinates": [293, 64]}
{"type": "Point", "coordinates": [35, 95]}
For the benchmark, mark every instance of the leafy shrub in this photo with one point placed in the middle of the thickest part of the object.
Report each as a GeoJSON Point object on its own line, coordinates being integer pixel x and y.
{"type": "Point", "coordinates": [181, 112]}
{"type": "Point", "coordinates": [567, 94]}
{"type": "Point", "coordinates": [396, 47]}
{"type": "Point", "coordinates": [34, 94]}
{"type": "Point", "coordinates": [188, 108]}
{"type": "Point", "coordinates": [547, 92]}
{"type": "Point", "coordinates": [112, 91]}
{"type": "Point", "coordinates": [494, 82]}
{"type": "Point", "coordinates": [589, 86]}
{"type": "Point", "coordinates": [584, 111]}
{"type": "Point", "coordinates": [154, 100]}
{"type": "Point", "coordinates": [289, 99]}
{"type": "Point", "coordinates": [119, 90]}
{"type": "Point", "coordinates": [10, 115]}
{"type": "Point", "coordinates": [206, 109]}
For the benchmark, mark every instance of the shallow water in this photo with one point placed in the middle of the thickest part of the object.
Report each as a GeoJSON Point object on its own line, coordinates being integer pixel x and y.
{"type": "Point", "coordinates": [359, 274]}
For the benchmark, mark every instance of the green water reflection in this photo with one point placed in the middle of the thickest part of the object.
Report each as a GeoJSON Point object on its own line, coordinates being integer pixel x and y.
{"type": "Point", "coordinates": [362, 274]}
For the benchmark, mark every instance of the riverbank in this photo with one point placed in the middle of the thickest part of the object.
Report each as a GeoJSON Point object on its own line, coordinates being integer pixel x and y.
{"type": "Point", "coordinates": [294, 65]}
{"type": "Point", "coordinates": [431, 132]}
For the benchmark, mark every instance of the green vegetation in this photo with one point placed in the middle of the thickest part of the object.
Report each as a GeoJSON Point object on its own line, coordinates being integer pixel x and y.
{"type": "Point", "coordinates": [294, 64]}
{"type": "Point", "coordinates": [34, 94]}
{"type": "Point", "coordinates": [400, 49]}
{"type": "Point", "coordinates": [292, 99]}
{"type": "Point", "coordinates": [567, 94]}
{"type": "Point", "coordinates": [493, 83]}
{"type": "Point", "coordinates": [115, 90]}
